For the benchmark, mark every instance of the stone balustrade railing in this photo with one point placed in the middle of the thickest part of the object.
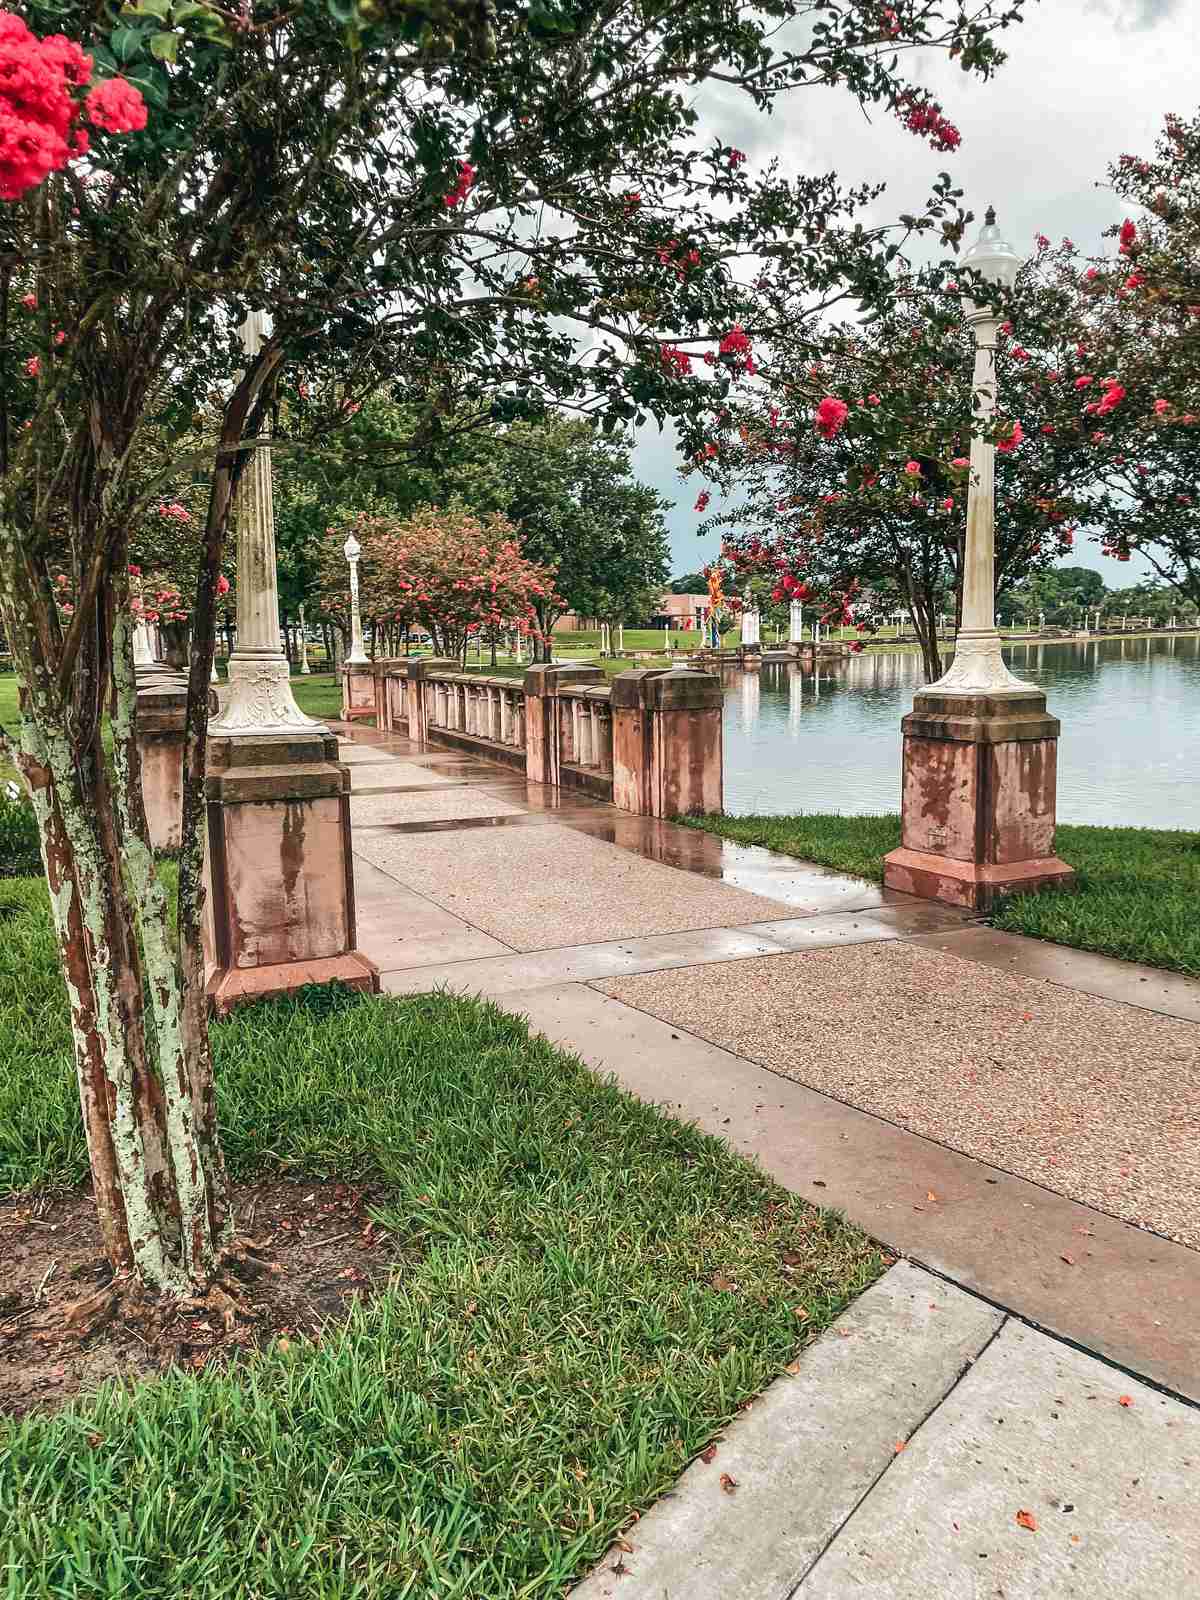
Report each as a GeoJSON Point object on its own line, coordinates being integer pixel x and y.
{"type": "Point", "coordinates": [649, 741]}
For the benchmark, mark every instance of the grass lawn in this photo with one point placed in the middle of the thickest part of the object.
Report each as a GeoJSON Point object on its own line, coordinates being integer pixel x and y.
{"type": "Point", "coordinates": [1137, 894]}
{"type": "Point", "coordinates": [589, 1291]}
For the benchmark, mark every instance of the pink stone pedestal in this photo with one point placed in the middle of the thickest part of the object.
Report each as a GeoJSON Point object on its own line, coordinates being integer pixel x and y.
{"type": "Point", "coordinates": [358, 691]}
{"type": "Point", "coordinates": [979, 796]}
{"type": "Point", "coordinates": [280, 908]}
{"type": "Point", "coordinates": [159, 723]}
{"type": "Point", "coordinates": [667, 742]}
{"type": "Point", "coordinates": [543, 747]}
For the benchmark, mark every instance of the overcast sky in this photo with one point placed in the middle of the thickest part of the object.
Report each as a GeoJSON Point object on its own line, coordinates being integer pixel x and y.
{"type": "Point", "coordinates": [1085, 80]}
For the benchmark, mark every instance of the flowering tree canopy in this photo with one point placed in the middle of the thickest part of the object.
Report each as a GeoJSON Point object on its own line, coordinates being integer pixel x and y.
{"type": "Point", "coordinates": [1129, 328]}
{"type": "Point", "coordinates": [447, 571]}
{"type": "Point", "coordinates": [851, 470]}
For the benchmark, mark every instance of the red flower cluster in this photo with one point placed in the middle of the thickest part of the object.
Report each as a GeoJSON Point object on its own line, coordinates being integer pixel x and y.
{"type": "Point", "coordinates": [39, 114]}
{"type": "Point", "coordinates": [702, 501]}
{"type": "Point", "coordinates": [460, 191]}
{"type": "Point", "coordinates": [677, 362]}
{"type": "Point", "coordinates": [925, 119]}
{"type": "Point", "coordinates": [736, 157]}
{"type": "Point", "coordinates": [736, 345]}
{"type": "Point", "coordinates": [1128, 236]}
{"type": "Point", "coordinates": [1009, 441]}
{"type": "Point", "coordinates": [1113, 395]}
{"type": "Point", "coordinates": [831, 416]}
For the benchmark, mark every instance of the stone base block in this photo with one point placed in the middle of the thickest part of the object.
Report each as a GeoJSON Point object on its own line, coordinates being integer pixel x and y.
{"type": "Point", "coordinates": [966, 883]}
{"type": "Point", "coordinates": [280, 909]}
{"type": "Point", "coordinates": [239, 985]}
{"type": "Point", "coordinates": [979, 798]}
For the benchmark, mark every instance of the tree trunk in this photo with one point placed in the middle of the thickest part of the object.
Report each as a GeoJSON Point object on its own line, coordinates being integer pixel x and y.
{"type": "Point", "coordinates": [135, 983]}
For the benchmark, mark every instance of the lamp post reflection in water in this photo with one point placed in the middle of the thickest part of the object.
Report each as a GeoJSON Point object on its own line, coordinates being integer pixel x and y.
{"type": "Point", "coordinates": [749, 703]}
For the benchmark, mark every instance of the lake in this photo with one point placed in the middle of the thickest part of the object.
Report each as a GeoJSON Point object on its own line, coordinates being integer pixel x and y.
{"type": "Point", "coordinates": [799, 740]}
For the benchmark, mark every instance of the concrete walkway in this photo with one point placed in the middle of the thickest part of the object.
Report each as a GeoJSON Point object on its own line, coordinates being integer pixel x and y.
{"type": "Point", "coordinates": [1016, 1119]}
{"type": "Point", "coordinates": [929, 1447]}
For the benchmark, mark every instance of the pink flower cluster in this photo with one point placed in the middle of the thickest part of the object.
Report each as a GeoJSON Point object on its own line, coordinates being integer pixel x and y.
{"type": "Point", "coordinates": [174, 512]}
{"type": "Point", "coordinates": [925, 119]}
{"type": "Point", "coordinates": [462, 188]}
{"type": "Point", "coordinates": [677, 362]}
{"type": "Point", "coordinates": [831, 416]}
{"type": "Point", "coordinates": [40, 128]}
{"type": "Point", "coordinates": [702, 501]}
{"type": "Point", "coordinates": [736, 345]}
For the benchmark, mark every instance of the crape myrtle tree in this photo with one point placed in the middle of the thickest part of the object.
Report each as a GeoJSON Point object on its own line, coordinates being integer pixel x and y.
{"type": "Point", "coordinates": [847, 464]}
{"type": "Point", "coordinates": [432, 196]}
{"type": "Point", "coordinates": [1129, 324]}
{"type": "Point", "coordinates": [567, 485]}
{"type": "Point", "coordinates": [444, 570]}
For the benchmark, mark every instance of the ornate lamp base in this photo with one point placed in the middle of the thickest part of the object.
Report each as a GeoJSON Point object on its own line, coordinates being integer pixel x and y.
{"type": "Point", "coordinates": [259, 699]}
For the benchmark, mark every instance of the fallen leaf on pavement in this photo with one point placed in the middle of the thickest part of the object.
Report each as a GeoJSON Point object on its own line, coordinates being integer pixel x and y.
{"type": "Point", "coordinates": [709, 1454]}
{"type": "Point", "coordinates": [1125, 1400]}
{"type": "Point", "coordinates": [1026, 1519]}
{"type": "Point", "coordinates": [1070, 1260]}
{"type": "Point", "coordinates": [901, 1444]}
{"type": "Point", "coordinates": [728, 1484]}
{"type": "Point", "coordinates": [929, 1195]}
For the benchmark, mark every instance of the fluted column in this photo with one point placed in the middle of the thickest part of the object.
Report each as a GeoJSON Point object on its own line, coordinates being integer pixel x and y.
{"type": "Point", "coordinates": [259, 697]}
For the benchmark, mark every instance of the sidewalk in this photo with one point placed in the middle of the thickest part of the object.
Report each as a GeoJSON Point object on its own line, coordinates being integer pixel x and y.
{"type": "Point", "coordinates": [1017, 1120]}
{"type": "Point", "coordinates": [1045, 1099]}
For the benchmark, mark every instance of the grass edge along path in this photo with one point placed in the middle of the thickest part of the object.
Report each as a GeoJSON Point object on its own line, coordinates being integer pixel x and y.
{"type": "Point", "coordinates": [1135, 897]}
{"type": "Point", "coordinates": [590, 1290]}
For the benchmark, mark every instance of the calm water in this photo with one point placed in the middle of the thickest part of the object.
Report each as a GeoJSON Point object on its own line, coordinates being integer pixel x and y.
{"type": "Point", "coordinates": [1129, 752]}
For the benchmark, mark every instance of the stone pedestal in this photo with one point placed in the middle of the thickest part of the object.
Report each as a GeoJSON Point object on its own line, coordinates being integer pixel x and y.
{"type": "Point", "coordinates": [979, 795]}
{"type": "Point", "coordinates": [159, 723]}
{"type": "Point", "coordinates": [280, 910]}
{"type": "Point", "coordinates": [542, 684]}
{"type": "Point", "coordinates": [358, 690]}
{"type": "Point", "coordinates": [667, 742]}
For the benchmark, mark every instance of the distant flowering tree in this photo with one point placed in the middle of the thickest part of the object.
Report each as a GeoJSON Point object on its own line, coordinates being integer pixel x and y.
{"type": "Point", "coordinates": [437, 199]}
{"type": "Point", "coordinates": [447, 571]}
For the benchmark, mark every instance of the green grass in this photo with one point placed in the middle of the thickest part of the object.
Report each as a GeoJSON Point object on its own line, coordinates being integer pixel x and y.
{"type": "Point", "coordinates": [551, 1353]}
{"type": "Point", "coordinates": [1135, 898]}
{"type": "Point", "coordinates": [320, 695]}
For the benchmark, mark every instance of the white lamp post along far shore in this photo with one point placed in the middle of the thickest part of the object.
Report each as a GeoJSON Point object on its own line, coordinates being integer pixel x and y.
{"type": "Point", "coordinates": [978, 666]}
{"type": "Point", "coordinates": [352, 550]}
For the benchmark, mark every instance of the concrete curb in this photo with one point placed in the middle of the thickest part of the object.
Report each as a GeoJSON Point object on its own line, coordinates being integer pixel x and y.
{"type": "Point", "coordinates": [788, 1473]}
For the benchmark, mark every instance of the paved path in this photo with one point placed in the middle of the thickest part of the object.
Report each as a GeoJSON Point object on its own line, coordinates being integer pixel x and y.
{"type": "Point", "coordinates": [1018, 1117]}
{"type": "Point", "coordinates": [929, 1447]}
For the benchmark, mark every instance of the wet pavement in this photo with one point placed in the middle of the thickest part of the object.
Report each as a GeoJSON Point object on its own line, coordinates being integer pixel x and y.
{"type": "Point", "coordinates": [541, 897]}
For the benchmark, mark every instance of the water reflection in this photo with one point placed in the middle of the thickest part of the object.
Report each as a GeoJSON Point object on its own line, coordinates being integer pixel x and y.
{"type": "Point", "coordinates": [828, 738]}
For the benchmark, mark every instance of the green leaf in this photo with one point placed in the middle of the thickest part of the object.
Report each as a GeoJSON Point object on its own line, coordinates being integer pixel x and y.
{"type": "Point", "coordinates": [164, 46]}
{"type": "Point", "coordinates": [126, 43]}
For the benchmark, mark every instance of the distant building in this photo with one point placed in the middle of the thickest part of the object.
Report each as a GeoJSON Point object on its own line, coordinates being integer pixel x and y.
{"type": "Point", "coordinates": [680, 611]}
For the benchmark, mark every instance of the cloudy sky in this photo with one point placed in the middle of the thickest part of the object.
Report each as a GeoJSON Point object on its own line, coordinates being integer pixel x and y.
{"type": "Point", "coordinates": [1085, 80]}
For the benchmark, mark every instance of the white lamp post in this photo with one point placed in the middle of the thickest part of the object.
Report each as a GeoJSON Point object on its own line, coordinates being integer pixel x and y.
{"type": "Point", "coordinates": [980, 748]}
{"type": "Point", "coordinates": [352, 550]}
{"type": "Point", "coordinates": [978, 666]}
{"type": "Point", "coordinates": [259, 696]}
{"type": "Point", "coordinates": [305, 669]}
